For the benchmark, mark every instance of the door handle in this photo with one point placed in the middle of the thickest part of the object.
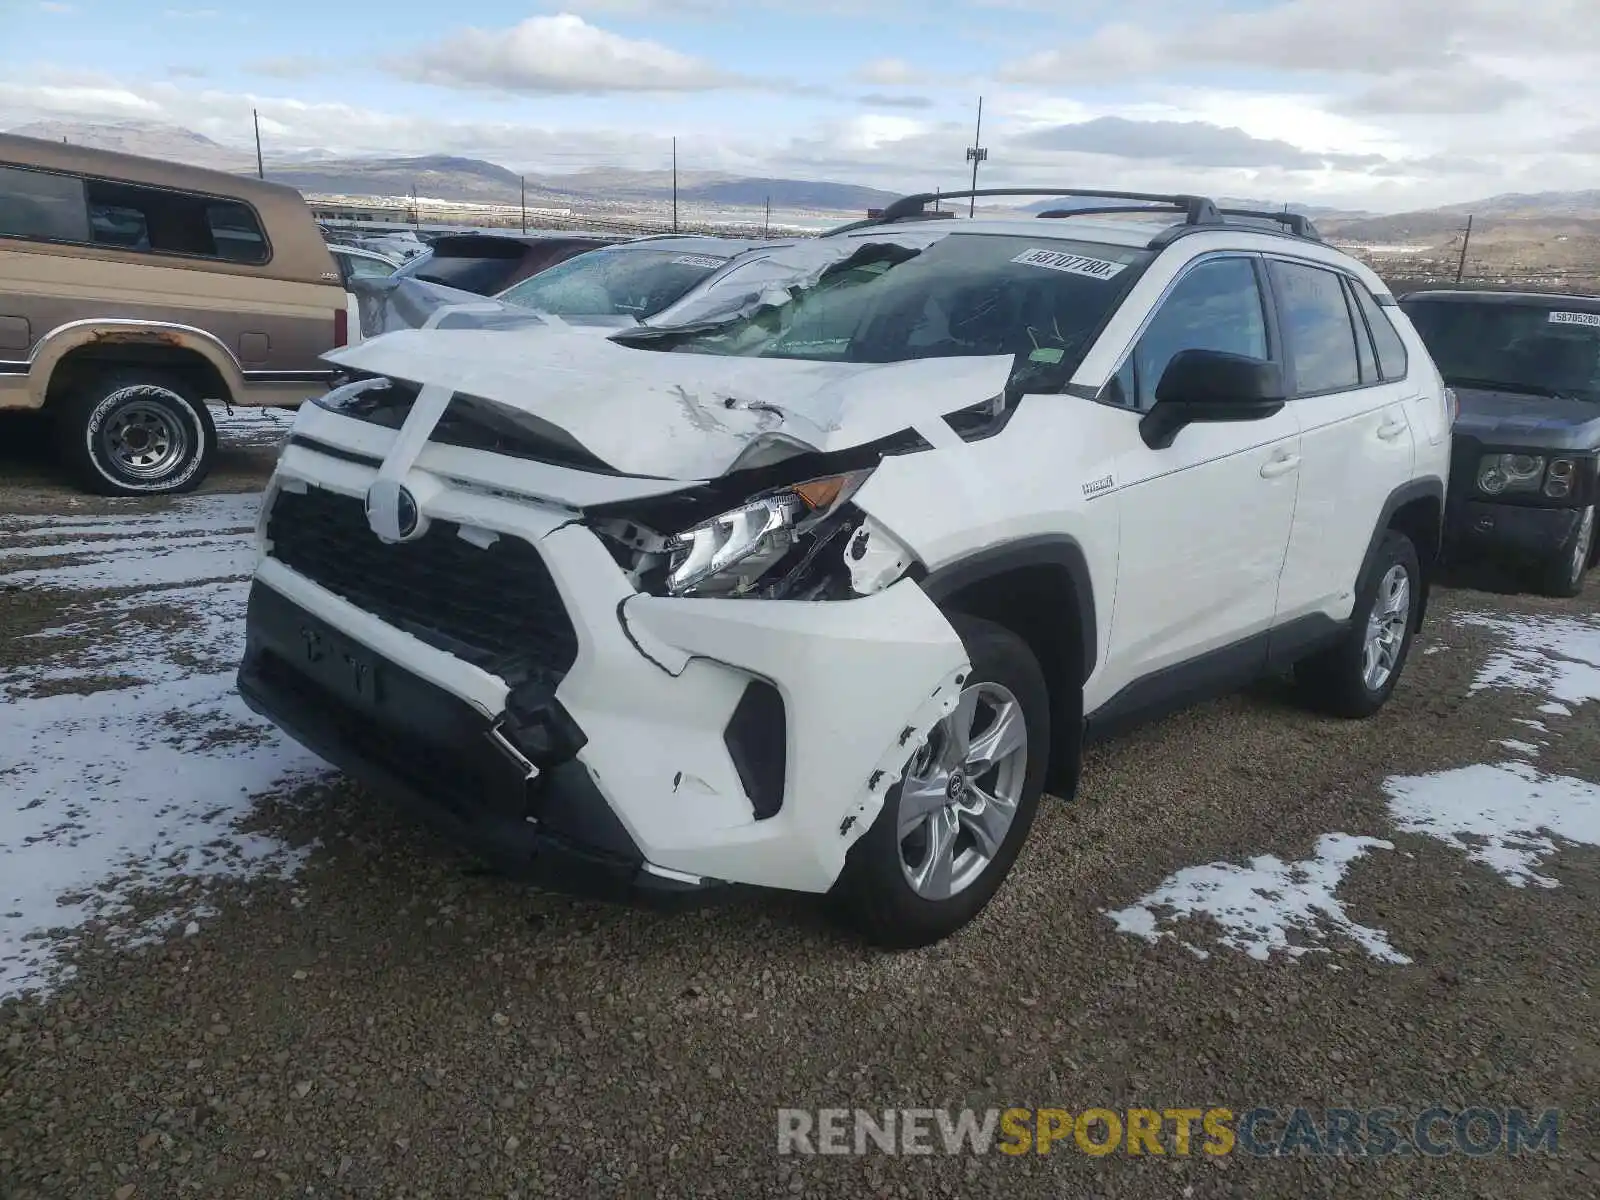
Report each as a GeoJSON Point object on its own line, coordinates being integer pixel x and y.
{"type": "Point", "coordinates": [1281, 465]}
{"type": "Point", "coordinates": [1392, 429]}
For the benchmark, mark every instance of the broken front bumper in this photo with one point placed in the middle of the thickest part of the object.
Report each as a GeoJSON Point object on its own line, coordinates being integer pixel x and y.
{"type": "Point", "coordinates": [689, 741]}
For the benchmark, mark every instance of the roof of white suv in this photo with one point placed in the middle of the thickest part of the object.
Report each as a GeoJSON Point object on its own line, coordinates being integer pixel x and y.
{"type": "Point", "coordinates": [1135, 220]}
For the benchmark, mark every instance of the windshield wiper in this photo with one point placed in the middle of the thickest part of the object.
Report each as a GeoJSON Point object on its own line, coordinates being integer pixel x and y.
{"type": "Point", "coordinates": [1506, 385]}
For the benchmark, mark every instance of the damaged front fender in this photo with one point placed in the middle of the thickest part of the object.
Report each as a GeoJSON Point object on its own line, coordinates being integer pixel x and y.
{"type": "Point", "coordinates": [862, 682]}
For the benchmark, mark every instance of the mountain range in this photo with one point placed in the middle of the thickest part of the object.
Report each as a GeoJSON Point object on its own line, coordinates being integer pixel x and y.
{"type": "Point", "coordinates": [1518, 216]}
{"type": "Point", "coordinates": [453, 178]}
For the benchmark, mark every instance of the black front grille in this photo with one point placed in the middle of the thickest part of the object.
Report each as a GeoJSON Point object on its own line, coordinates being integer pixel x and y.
{"type": "Point", "coordinates": [496, 608]}
{"type": "Point", "coordinates": [460, 783]}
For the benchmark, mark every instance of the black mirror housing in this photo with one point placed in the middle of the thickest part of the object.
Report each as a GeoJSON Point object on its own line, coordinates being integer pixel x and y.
{"type": "Point", "coordinates": [1215, 377]}
{"type": "Point", "coordinates": [1211, 385]}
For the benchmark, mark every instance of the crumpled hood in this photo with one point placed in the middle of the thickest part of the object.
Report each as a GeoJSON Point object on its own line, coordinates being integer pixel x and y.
{"type": "Point", "coordinates": [395, 303]}
{"type": "Point", "coordinates": [674, 415]}
{"type": "Point", "coordinates": [1536, 422]}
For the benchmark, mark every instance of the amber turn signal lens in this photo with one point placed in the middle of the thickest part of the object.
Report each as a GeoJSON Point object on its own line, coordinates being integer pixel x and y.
{"type": "Point", "coordinates": [820, 493]}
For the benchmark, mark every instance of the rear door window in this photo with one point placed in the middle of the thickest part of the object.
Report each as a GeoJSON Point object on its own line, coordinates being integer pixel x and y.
{"type": "Point", "coordinates": [42, 206]}
{"type": "Point", "coordinates": [1317, 327]}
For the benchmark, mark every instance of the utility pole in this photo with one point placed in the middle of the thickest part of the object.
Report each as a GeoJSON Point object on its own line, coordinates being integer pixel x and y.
{"type": "Point", "coordinates": [766, 223]}
{"type": "Point", "coordinates": [936, 197]}
{"type": "Point", "coordinates": [1466, 237]}
{"type": "Point", "coordinates": [674, 185]}
{"type": "Point", "coordinates": [975, 155]}
{"type": "Point", "coordinates": [524, 204]}
{"type": "Point", "coordinates": [261, 171]}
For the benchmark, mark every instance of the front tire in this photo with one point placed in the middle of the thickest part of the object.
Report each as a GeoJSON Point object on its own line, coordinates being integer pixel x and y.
{"type": "Point", "coordinates": [1356, 677]}
{"type": "Point", "coordinates": [951, 829]}
{"type": "Point", "coordinates": [135, 433]}
{"type": "Point", "coordinates": [1563, 574]}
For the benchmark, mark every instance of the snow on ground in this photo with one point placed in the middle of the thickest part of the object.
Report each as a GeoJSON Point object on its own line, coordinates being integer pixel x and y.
{"type": "Point", "coordinates": [1260, 905]}
{"type": "Point", "coordinates": [1556, 658]}
{"type": "Point", "coordinates": [146, 781]}
{"type": "Point", "coordinates": [1507, 816]}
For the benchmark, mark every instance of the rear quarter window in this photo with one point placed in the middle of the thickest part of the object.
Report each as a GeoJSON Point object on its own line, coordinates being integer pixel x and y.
{"type": "Point", "coordinates": [42, 206]}
{"type": "Point", "coordinates": [53, 207]}
{"type": "Point", "coordinates": [1393, 362]}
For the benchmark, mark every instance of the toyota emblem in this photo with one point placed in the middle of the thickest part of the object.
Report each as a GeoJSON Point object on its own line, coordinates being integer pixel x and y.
{"type": "Point", "coordinates": [392, 512]}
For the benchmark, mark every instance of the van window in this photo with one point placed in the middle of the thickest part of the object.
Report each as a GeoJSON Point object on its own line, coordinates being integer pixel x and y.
{"type": "Point", "coordinates": [131, 217]}
{"type": "Point", "coordinates": [37, 204]}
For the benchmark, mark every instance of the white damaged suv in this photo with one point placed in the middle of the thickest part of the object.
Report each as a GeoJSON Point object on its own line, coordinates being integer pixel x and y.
{"type": "Point", "coordinates": [825, 589]}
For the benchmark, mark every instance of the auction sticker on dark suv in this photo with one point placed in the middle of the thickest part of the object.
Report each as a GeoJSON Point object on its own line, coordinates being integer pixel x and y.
{"type": "Point", "coordinates": [1572, 318]}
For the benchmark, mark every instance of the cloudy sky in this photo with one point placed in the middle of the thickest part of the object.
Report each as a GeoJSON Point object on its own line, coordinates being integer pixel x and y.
{"type": "Point", "coordinates": [1380, 104]}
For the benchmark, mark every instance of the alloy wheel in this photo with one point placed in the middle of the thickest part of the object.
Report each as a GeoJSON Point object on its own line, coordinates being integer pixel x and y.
{"type": "Point", "coordinates": [1386, 628]}
{"type": "Point", "coordinates": [961, 792]}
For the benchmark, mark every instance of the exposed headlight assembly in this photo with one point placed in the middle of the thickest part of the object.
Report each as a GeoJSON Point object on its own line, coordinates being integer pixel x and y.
{"type": "Point", "coordinates": [1499, 474]}
{"type": "Point", "coordinates": [732, 553]}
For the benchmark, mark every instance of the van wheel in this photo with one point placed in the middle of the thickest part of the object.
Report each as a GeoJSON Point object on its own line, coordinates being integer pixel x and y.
{"type": "Point", "coordinates": [1355, 677]}
{"type": "Point", "coordinates": [951, 829]}
{"type": "Point", "coordinates": [135, 433]}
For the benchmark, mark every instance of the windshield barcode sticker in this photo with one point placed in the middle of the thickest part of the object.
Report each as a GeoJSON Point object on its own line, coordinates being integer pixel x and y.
{"type": "Point", "coordinates": [1074, 264]}
{"type": "Point", "coordinates": [1566, 318]}
{"type": "Point", "coordinates": [698, 260]}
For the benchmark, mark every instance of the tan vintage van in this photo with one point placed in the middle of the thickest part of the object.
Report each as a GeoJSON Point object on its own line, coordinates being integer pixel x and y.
{"type": "Point", "coordinates": [132, 291]}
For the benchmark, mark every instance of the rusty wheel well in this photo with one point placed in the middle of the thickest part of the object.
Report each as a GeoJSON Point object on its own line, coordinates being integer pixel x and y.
{"type": "Point", "coordinates": [1041, 605]}
{"type": "Point", "coordinates": [78, 366]}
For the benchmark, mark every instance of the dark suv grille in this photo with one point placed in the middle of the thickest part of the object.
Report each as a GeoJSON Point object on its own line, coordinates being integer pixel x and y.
{"type": "Point", "coordinates": [496, 608]}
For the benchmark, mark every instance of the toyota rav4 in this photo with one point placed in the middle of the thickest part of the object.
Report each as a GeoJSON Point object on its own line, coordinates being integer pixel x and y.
{"type": "Point", "coordinates": [824, 591]}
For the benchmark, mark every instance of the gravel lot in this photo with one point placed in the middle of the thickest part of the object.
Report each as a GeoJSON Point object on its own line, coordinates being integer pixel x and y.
{"type": "Point", "coordinates": [226, 973]}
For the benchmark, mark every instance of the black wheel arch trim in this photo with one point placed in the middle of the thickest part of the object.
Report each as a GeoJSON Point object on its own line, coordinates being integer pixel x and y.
{"type": "Point", "coordinates": [1050, 549]}
{"type": "Point", "coordinates": [1429, 487]}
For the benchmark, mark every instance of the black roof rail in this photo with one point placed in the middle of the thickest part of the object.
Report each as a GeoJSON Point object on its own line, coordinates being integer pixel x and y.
{"type": "Point", "coordinates": [1101, 210]}
{"type": "Point", "coordinates": [1199, 212]}
{"type": "Point", "coordinates": [1296, 223]}
{"type": "Point", "coordinates": [1198, 209]}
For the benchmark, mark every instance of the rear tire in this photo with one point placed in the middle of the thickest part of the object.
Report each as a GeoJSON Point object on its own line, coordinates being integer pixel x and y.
{"type": "Point", "coordinates": [896, 890]}
{"type": "Point", "coordinates": [1563, 574]}
{"type": "Point", "coordinates": [135, 432]}
{"type": "Point", "coordinates": [1355, 677]}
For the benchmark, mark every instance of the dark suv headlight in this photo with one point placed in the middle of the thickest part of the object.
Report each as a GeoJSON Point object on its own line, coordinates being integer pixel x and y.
{"type": "Point", "coordinates": [732, 553]}
{"type": "Point", "coordinates": [1522, 474]}
{"type": "Point", "coordinates": [1499, 474]}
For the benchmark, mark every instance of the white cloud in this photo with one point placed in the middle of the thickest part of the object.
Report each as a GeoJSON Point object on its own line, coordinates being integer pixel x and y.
{"type": "Point", "coordinates": [889, 72]}
{"type": "Point", "coordinates": [559, 54]}
{"type": "Point", "coordinates": [1437, 92]}
{"type": "Point", "coordinates": [1356, 36]}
